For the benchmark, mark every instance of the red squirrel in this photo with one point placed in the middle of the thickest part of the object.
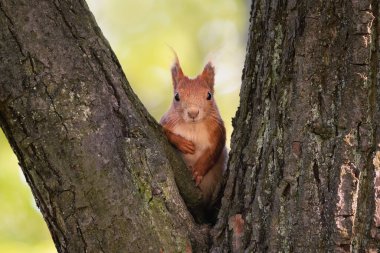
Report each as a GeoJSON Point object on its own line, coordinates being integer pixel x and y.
{"type": "Point", "coordinates": [194, 126]}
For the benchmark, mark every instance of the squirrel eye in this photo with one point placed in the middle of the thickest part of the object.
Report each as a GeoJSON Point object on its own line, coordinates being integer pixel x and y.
{"type": "Point", "coordinates": [176, 96]}
{"type": "Point", "coordinates": [209, 95]}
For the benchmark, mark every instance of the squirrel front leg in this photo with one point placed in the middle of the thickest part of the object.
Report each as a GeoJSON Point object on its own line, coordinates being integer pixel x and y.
{"type": "Point", "coordinates": [183, 145]}
{"type": "Point", "coordinates": [210, 155]}
{"type": "Point", "coordinates": [202, 166]}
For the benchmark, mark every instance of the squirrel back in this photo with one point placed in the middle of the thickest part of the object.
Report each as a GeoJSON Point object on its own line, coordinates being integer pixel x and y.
{"type": "Point", "coordinates": [194, 126]}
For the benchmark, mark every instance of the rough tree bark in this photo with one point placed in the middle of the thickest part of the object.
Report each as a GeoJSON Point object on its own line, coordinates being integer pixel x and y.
{"type": "Point", "coordinates": [304, 172]}
{"type": "Point", "coordinates": [98, 165]}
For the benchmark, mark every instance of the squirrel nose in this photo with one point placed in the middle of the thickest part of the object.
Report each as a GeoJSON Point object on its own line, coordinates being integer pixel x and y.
{"type": "Point", "coordinates": [193, 113]}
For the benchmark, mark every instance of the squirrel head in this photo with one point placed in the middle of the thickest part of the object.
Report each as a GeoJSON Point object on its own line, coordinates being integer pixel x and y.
{"type": "Point", "coordinates": [193, 98]}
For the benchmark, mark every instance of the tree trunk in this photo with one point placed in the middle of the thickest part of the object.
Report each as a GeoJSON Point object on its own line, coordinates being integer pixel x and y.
{"type": "Point", "coordinates": [304, 169]}
{"type": "Point", "coordinates": [98, 165]}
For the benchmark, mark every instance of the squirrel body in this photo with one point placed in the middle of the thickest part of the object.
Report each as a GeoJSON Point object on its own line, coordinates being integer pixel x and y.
{"type": "Point", "coordinates": [194, 126]}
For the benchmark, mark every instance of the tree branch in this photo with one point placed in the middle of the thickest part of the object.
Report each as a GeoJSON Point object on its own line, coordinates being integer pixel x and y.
{"type": "Point", "coordinates": [97, 162]}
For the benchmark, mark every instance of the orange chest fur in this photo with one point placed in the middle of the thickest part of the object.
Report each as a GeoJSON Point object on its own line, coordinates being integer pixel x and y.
{"type": "Point", "coordinates": [199, 134]}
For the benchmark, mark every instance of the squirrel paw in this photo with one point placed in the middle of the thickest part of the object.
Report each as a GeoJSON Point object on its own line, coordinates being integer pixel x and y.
{"type": "Point", "coordinates": [197, 178]}
{"type": "Point", "coordinates": [186, 147]}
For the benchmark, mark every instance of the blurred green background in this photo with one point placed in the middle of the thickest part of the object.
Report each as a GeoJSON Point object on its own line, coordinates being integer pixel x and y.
{"type": "Point", "coordinates": [140, 33]}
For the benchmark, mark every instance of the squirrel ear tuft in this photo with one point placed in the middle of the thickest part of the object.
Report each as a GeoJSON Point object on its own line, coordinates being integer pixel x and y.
{"type": "Point", "coordinates": [208, 74]}
{"type": "Point", "coordinates": [177, 73]}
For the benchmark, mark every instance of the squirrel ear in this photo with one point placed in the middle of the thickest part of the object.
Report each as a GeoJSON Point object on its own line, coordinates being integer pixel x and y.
{"type": "Point", "coordinates": [208, 74]}
{"type": "Point", "coordinates": [177, 73]}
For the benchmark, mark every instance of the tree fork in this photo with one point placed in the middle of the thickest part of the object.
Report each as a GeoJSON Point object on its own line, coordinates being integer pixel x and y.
{"type": "Point", "coordinates": [304, 170]}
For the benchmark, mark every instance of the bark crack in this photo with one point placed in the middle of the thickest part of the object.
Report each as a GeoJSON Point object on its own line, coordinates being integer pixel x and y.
{"type": "Point", "coordinates": [5, 13]}
{"type": "Point", "coordinates": [59, 236]}
{"type": "Point", "coordinates": [108, 79]}
{"type": "Point", "coordinates": [51, 98]}
{"type": "Point", "coordinates": [16, 40]}
{"type": "Point", "coordinates": [11, 31]}
{"type": "Point", "coordinates": [67, 23]}
{"type": "Point", "coordinates": [45, 210]}
{"type": "Point", "coordinates": [79, 230]}
{"type": "Point", "coordinates": [115, 93]}
{"type": "Point", "coordinates": [55, 108]}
